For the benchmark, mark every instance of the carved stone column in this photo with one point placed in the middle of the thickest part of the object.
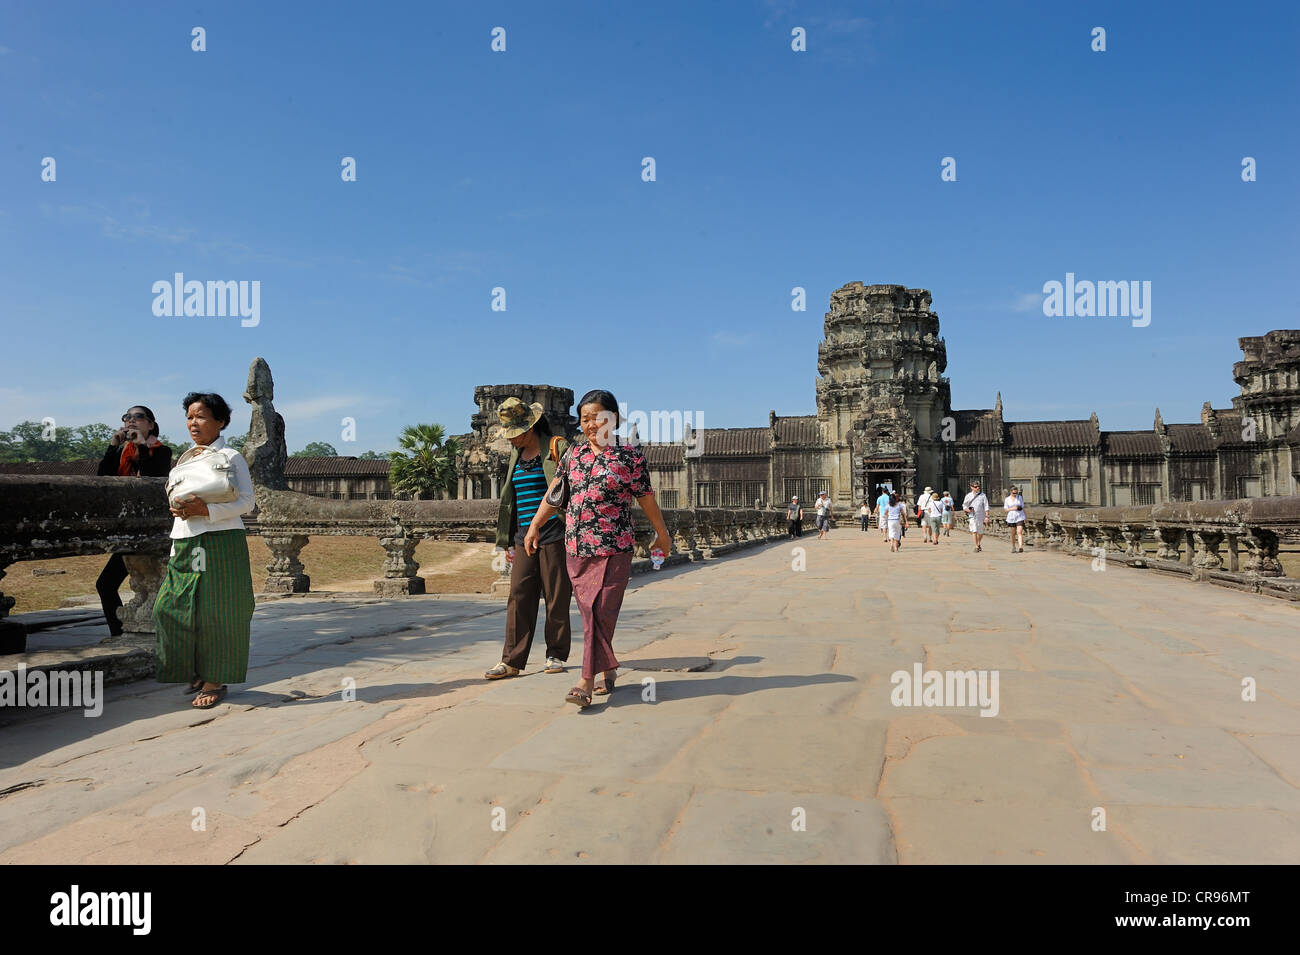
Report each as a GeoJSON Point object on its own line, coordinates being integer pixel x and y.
{"type": "Point", "coordinates": [1207, 550]}
{"type": "Point", "coordinates": [1170, 539]}
{"type": "Point", "coordinates": [1132, 540]}
{"type": "Point", "coordinates": [685, 543]}
{"type": "Point", "coordinates": [705, 538]}
{"type": "Point", "coordinates": [285, 571]}
{"type": "Point", "coordinates": [1053, 533]}
{"type": "Point", "coordinates": [1261, 547]}
{"type": "Point", "coordinates": [13, 635]}
{"type": "Point", "coordinates": [401, 572]}
{"type": "Point", "coordinates": [146, 572]}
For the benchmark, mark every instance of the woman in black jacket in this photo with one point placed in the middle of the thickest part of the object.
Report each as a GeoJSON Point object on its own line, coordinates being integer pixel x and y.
{"type": "Point", "coordinates": [133, 451]}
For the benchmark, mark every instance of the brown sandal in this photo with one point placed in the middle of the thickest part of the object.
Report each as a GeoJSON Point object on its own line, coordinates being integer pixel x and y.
{"type": "Point", "coordinates": [217, 696]}
{"type": "Point", "coordinates": [607, 687]}
{"type": "Point", "coordinates": [580, 696]}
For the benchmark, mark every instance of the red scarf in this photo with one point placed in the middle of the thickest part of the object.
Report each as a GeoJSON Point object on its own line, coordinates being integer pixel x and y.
{"type": "Point", "coordinates": [128, 464]}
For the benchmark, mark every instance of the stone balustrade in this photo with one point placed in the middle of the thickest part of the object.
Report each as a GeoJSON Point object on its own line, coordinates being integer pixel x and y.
{"type": "Point", "coordinates": [286, 520]}
{"type": "Point", "coordinates": [47, 516]}
{"type": "Point", "coordinates": [1232, 543]}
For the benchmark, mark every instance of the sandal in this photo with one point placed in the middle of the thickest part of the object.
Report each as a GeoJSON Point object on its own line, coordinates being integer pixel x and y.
{"type": "Point", "coordinates": [195, 685]}
{"type": "Point", "coordinates": [606, 688]}
{"type": "Point", "coordinates": [216, 695]}
{"type": "Point", "coordinates": [580, 696]}
{"type": "Point", "coordinates": [501, 671]}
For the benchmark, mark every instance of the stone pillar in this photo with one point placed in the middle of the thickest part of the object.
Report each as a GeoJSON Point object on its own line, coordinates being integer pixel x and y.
{"type": "Point", "coordinates": [146, 572]}
{"type": "Point", "coordinates": [1261, 546]}
{"type": "Point", "coordinates": [1207, 550]}
{"type": "Point", "coordinates": [705, 538]}
{"type": "Point", "coordinates": [13, 635]}
{"type": "Point", "coordinates": [285, 571]}
{"type": "Point", "coordinates": [401, 572]}
{"type": "Point", "coordinates": [685, 544]}
{"type": "Point", "coordinates": [496, 491]}
{"type": "Point", "coordinates": [1170, 542]}
{"type": "Point", "coordinates": [1132, 540]}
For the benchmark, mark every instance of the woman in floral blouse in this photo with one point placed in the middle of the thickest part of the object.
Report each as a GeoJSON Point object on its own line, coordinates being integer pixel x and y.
{"type": "Point", "coordinates": [605, 477]}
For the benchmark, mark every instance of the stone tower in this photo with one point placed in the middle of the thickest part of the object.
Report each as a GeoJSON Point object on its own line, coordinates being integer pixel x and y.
{"type": "Point", "coordinates": [881, 394]}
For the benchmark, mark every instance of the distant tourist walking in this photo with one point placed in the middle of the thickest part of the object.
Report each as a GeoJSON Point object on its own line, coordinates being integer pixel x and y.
{"type": "Point", "coordinates": [1015, 508]}
{"type": "Point", "coordinates": [794, 514]}
{"type": "Point", "coordinates": [823, 506]}
{"type": "Point", "coordinates": [976, 505]}
{"type": "Point", "coordinates": [946, 520]}
{"type": "Point", "coordinates": [603, 478]}
{"type": "Point", "coordinates": [922, 509]}
{"type": "Point", "coordinates": [529, 472]}
{"type": "Point", "coordinates": [882, 503]}
{"type": "Point", "coordinates": [864, 512]}
{"type": "Point", "coordinates": [933, 515]}
{"type": "Point", "coordinates": [204, 608]}
{"type": "Point", "coordinates": [133, 451]}
{"type": "Point", "coordinates": [894, 518]}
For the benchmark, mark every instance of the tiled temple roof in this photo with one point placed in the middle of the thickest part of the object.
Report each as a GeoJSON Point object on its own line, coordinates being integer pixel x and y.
{"type": "Point", "coordinates": [978, 426]}
{"type": "Point", "coordinates": [663, 455]}
{"type": "Point", "coordinates": [1053, 435]}
{"type": "Point", "coordinates": [70, 468]}
{"type": "Point", "coordinates": [1132, 444]}
{"type": "Point", "coordinates": [335, 467]}
{"type": "Point", "coordinates": [1190, 438]}
{"type": "Point", "coordinates": [737, 441]}
{"type": "Point", "coordinates": [799, 429]}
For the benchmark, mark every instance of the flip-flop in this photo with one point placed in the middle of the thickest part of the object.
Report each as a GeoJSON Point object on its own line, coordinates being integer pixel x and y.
{"type": "Point", "coordinates": [606, 687]}
{"type": "Point", "coordinates": [218, 695]}
{"type": "Point", "coordinates": [579, 696]}
{"type": "Point", "coordinates": [193, 688]}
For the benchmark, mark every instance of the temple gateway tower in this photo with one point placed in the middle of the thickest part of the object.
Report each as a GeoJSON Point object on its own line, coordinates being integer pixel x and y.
{"type": "Point", "coordinates": [881, 394]}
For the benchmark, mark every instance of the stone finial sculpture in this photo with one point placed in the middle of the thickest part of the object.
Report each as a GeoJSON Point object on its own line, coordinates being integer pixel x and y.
{"type": "Point", "coordinates": [264, 450]}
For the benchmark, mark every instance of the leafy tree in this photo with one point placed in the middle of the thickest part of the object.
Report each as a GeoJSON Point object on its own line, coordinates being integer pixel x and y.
{"type": "Point", "coordinates": [316, 449]}
{"type": "Point", "coordinates": [425, 467]}
{"type": "Point", "coordinates": [30, 441]}
{"type": "Point", "coordinates": [237, 441]}
{"type": "Point", "coordinates": [372, 456]}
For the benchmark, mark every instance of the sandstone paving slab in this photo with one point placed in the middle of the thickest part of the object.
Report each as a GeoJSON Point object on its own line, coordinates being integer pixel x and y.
{"type": "Point", "coordinates": [1280, 752]}
{"type": "Point", "coordinates": [1181, 836]}
{"type": "Point", "coordinates": [942, 832]}
{"type": "Point", "coordinates": [468, 736]}
{"type": "Point", "coordinates": [725, 827]}
{"type": "Point", "coordinates": [790, 753]}
{"type": "Point", "coordinates": [1260, 789]}
{"type": "Point", "coordinates": [586, 821]}
{"type": "Point", "coordinates": [1162, 746]}
{"type": "Point", "coordinates": [975, 653]}
{"type": "Point", "coordinates": [1046, 694]}
{"type": "Point", "coordinates": [596, 742]}
{"type": "Point", "coordinates": [990, 770]}
{"type": "Point", "coordinates": [404, 815]}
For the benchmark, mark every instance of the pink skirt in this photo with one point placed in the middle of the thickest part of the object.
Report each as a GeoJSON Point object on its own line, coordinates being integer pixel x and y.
{"type": "Point", "coordinates": [598, 586]}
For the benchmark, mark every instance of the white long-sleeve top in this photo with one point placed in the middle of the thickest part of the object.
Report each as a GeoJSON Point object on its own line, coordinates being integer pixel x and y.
{"type": "Point", "coordinates": [221, 517]}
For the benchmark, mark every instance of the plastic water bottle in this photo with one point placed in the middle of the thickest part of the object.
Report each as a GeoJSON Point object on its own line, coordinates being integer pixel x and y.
{"type": "Point", "coordinates": [657, 558]}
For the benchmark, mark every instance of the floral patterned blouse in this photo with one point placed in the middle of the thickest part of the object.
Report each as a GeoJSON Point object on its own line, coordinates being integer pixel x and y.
{"type": "Point", "coordinates": [602, 488]}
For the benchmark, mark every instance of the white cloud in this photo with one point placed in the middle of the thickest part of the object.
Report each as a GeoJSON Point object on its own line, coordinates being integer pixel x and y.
{"type": "Point", "coordinates": [1028, 302]}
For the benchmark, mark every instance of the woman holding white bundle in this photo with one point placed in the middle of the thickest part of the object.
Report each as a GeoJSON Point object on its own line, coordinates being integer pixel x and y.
{"type": "Point", "coordinates": [204, 609]}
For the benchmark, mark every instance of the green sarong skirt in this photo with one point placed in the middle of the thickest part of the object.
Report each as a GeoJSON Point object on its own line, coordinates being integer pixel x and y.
{"type": "Point", "coordinates": [204, 609]}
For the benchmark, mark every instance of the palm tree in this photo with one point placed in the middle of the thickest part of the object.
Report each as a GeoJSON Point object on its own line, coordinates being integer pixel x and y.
{"type": "Point", "coordinates": [425, 467]}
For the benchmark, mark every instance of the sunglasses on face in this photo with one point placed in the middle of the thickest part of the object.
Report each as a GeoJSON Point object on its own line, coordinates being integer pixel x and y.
{"type": "Point", "coordinates": [135, 417]}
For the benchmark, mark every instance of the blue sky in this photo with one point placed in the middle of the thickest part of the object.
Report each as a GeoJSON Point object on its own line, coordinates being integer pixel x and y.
{"type": "Point", "coordinates": [522, 170]}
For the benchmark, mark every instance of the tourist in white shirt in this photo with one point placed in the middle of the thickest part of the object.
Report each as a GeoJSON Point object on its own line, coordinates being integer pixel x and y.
{"type": "Point", "coordinates": [894, 517]}
{"type": "Point", "coordinates": [864, 514]}
{"type": "Point", "coordinates": [977, 506]}
{"type": "Point", "coordinates": [823, 505]}
{"type": "Point", "coordinates": [948, 508]}
{"type": "Point", "coordinates": [1015, 508]}
{"type": "Point", "coordinates": [204, 609]}
{"type": "Point", "coordinates": [922, 503]}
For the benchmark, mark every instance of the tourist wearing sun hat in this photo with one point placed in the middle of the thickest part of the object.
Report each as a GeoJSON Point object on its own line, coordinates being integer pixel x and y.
{"type": "Point", "coordinates": [530, 470]}
{"type": "Point", "coordinates": [794, 514]}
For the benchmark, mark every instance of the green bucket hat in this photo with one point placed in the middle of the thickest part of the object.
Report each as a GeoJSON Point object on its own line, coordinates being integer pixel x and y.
{"type": "Point", "coordinates": [516, 417]}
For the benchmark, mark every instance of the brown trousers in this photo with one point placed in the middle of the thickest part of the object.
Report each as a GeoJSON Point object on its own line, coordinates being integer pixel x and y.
{"type": "Point", "coordinates": [545, 573]}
